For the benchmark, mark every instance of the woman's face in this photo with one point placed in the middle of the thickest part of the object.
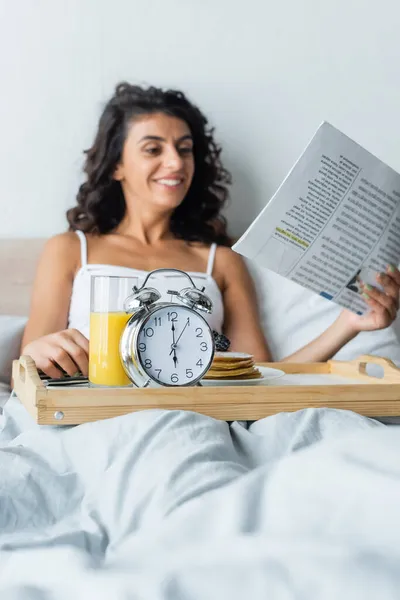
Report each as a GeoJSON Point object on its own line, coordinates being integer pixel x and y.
{"type": "Point", "coordinates": [157, 164]}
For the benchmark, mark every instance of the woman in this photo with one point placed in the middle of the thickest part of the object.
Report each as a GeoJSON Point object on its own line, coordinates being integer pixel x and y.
{"type": "Point", "coordinates": [153, 195]}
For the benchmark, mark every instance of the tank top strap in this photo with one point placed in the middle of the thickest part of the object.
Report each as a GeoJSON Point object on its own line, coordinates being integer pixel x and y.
{"type": "Point", "coordinates": [82, 238]}
{"type": "Point", "coordinates": [211, 258]}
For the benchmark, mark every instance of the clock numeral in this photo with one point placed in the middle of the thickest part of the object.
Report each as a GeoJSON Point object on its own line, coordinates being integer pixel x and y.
{"type": "Point", "coordinates": [142, 347]}
{"type": "Point", "coordinates": [199, 363]}
{"type": "Point", "coordinates": [172, 316]}
{"type": "Point", "coordinates": [188, 321]}
{"type": "Point", "coordinates": [157, 321]}
{"type": "Point", "coordinates": [148, 332]}
{"type": "Point", "coordinates": [147, 363]}
{"type": "Point", "coordinates": [199, 332]}
{"type": "Point", "coordinates": [159, 373]}
{"type": "Point", "coordinates": [174, 378]}
{"type": "Point", "coordinates": [189, 373]}
{"type": "Point", "coordinates": [203, 347]}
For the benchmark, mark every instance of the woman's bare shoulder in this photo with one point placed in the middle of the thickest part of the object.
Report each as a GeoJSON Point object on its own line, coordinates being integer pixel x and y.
{"type": "Point", "coordinates": [229, 267]}
{"type": "Point", "coordinates": [62, 249]}
{"type": "Point", "coordinates": [226, 257]}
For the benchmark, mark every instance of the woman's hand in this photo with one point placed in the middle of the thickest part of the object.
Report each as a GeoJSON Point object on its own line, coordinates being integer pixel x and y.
{"type": "Point", "coordinates": [384, 304]}
{"type": "Point", "coordinates": [67, 350]}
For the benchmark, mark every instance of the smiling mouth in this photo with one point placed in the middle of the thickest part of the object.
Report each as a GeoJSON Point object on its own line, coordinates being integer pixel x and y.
{"type": "Point", "coordinates": [170, 182]}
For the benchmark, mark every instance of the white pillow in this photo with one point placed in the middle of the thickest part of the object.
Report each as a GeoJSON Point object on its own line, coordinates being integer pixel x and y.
{"type": "Point", "coordinates": [292, 316]}
{"type": "Point", "coordinates": [11, 330]}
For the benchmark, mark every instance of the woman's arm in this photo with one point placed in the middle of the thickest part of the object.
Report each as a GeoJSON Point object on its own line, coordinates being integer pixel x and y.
{"type": "Point", "coordinates": [383, 311]}
{"type": "Point", "coordinates": [242, 322]}
{"type": "Point", "coordinates": [241, 315]}
{"type": "Point", "coordinates": [46, 338]}
{"type": "Point", "coordinates": [326, 345]}
{"type": "Point", "coordinates": [51, 289]}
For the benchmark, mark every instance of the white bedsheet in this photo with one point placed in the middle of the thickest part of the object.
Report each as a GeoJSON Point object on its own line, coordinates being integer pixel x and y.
{"type": "Point", "coordinates": [175, 505]}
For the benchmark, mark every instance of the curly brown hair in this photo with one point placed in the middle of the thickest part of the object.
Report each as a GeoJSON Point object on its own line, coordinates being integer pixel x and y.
{"type": "Point", "coordinates": [100, 199]}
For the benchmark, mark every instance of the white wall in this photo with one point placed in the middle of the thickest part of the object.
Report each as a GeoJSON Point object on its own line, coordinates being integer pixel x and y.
{"type": "Point", "coordinates": [266, 72]}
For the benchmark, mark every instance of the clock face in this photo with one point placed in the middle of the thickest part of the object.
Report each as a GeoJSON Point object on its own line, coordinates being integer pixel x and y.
{"type": "Point", "coordinates": [175, 345]}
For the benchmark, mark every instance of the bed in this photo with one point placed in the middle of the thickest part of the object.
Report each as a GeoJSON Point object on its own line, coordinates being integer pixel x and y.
{"type": "Point", "coordinates": [176, 505]}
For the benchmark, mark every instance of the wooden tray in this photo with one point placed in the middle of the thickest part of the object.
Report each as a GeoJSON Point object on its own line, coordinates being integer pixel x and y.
{"type": "Point", "coordinates": [334, 384]}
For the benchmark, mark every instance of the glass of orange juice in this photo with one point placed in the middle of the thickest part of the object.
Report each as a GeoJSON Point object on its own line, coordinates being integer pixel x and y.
{"type": "Point", "coordinates": [107, 321]}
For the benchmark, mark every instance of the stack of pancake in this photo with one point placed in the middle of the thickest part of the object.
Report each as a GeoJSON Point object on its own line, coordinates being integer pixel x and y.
{"type": "Point", "coordinates": [231, 366]}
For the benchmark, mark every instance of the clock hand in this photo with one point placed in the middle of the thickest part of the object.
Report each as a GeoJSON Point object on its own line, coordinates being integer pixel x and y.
{"type": "Point", "coordinates": [180, 335]}
{"type": "Point", "coordinates": [173, 346]}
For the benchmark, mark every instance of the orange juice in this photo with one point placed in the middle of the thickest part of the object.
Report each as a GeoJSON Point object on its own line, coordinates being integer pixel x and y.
{"type": "Point", "coordinates": [105, 367]}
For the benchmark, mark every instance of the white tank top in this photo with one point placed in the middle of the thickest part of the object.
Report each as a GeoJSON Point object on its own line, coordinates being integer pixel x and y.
{"type": "Point", "coordinates": [79, 310]}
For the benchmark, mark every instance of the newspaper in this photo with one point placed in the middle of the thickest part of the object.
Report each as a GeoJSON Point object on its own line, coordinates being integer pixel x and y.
{"type": "Point", "coordinates": [335, 220]}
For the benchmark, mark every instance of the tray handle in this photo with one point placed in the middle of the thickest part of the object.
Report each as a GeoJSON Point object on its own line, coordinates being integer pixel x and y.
{"type": "Point", "coordinates": [25, 374]}
{"type": "Point", "coordinates": [358, 368]}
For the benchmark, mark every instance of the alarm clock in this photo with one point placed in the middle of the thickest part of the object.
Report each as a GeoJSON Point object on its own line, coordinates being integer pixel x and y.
{"type": "Point", "coordinates": [167, 343]}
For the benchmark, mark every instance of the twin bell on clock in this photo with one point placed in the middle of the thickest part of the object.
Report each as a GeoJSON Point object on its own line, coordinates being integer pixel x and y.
{"type": "Point", "coordinates": [167, 343]}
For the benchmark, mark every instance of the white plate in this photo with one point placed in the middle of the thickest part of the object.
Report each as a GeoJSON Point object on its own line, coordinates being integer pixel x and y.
{"type": "Point", "coordinates": [267, 373]}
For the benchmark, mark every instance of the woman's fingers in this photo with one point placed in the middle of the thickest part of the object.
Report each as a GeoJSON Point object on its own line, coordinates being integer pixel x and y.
{"type": "Point", "coordinates": [79, 339]}
{"type": "Point", "coordinates": [63, 351]}
{"type": "Point", "coordinates": [48, 367]}
{"type": "Point", "coordinates": [390, 287]}
{"type": "Point", "coordinates": [382, 301]}
{"type": "Point", "coordinates": [389, 297]}
{"type": "Point", "coordinates": [62, 358]}
{"type": "Point", "coordinates": [77, 347]}
{"type": "Point", "coordinates": [41, 352]}
{"type": "Point", "coordinates": [394, 273]}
